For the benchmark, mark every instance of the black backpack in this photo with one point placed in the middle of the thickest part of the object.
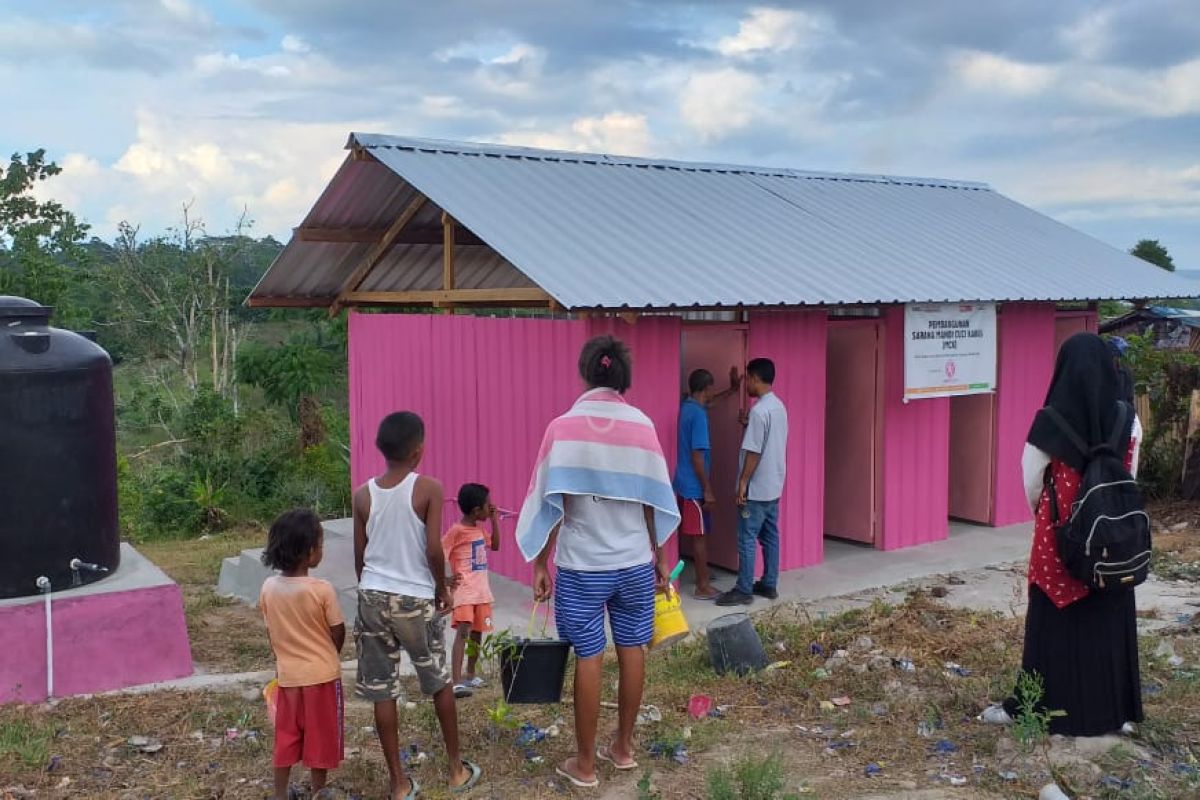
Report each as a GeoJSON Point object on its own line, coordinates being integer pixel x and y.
{"type": "Point", "coordinates": [1105, 544]}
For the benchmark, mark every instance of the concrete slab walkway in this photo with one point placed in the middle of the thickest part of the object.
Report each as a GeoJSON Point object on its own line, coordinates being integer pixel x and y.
{"type": "Point", "coordinates": [848, 568]}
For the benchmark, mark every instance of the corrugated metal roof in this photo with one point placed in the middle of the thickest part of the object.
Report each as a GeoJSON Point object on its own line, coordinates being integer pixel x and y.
{"type": "Point", "coordinates": [607, 231]}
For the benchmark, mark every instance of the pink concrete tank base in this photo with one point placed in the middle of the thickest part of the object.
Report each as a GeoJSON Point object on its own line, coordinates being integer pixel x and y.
{"type": "Point", "coordinates": [486, 389]}
{"type": "Point", "coordinates": [124, 631]}
{"type": "Point", "coordinates": [795, 341]}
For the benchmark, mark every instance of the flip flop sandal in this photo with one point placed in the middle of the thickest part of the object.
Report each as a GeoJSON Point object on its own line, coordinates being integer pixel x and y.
{"type": "Point", "coordinates": [605, 754]}
{"type": "Point", "coordinates": [576, 782]}
{"type": "Point", "coordinates": [475, 771]}
{"type": "Point", "coordinates": [414, 789]}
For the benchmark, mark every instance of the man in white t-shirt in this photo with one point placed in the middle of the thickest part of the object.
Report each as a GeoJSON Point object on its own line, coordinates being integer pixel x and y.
{"type": "Point", "coordinates": [761, 473]}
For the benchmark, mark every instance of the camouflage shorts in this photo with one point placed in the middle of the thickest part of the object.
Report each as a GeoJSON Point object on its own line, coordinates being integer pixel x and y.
{"type": "Point", "coordinates": [389, 624]}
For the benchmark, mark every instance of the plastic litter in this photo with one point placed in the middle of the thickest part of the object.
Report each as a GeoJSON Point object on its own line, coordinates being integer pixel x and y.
{"type": "Point", "coordinates": [816, 649]}
{"type": "Point", "coordinates": [699, 706]}
{"type": "Point", "coordinates": [648, 715]}
{"type": "Point", "coordinates": [904, 664]}
{"type": "Point", "coordinates": [826, 705]}
{"type": "Point", "coordinates": [776, 665]}
{"type": "Point", "coordinates": [1113, 782]}
{"type": "Point", "coordinates": [872, 770]}
{"type": "Point", "coordinates": [820, 673]}
{"type": "Point", "coordinates": [1051, 792]}
{"type": "Point", "coordinates": [841, 701]}
{"type": "Point", "coordinates": [956, 780]}
{"type": "Point", "coordinates": [676, 751]}
{"type": "Point", "coordinates": [1008, 776]}
{"type": "Point", "coordinates": [944, 747]}
{"type": "Point", "coordinates": [530, 734]}
{"type": "Point", "coordinates": [957, 669]}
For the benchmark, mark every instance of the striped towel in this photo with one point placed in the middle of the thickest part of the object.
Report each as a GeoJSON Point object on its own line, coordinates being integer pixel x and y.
{"type": "Point", "coordinates": [602, 447]}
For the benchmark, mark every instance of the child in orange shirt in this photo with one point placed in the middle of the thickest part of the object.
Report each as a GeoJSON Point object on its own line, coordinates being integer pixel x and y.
{"type": "Point", "coordinates": [307, 632]}
{"type": "Point", "coordinates": [466, 545]}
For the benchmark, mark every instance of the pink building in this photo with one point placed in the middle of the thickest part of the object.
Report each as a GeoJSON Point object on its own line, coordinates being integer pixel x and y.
{"type": "Point", "coordinates": [505, 260]}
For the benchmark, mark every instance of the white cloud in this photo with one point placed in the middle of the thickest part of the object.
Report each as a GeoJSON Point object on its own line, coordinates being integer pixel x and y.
{"type": "Point", "coordinates": [183, 11]}
{"type": "Point", "coordinates": [767, 30]}
{"type": "Point", "coordinates": [1170, 92]}
{"type": "Point", "coordinates": [719, 102]}
{"type": "Point", "coordinates": [272, 169]}
{"type": "Point", "coordinates": [617, 133]}
{"type": "Point", "coordinates": [211, 64]}
{"type": "Point", "coordinates": [1091, 35]}
{"type": "Point", "coordinates": [989, 72]}
{"type": "Point", "coordinates": [1109, 187]}
{"type": "Point", "coordinates": [294, 44]}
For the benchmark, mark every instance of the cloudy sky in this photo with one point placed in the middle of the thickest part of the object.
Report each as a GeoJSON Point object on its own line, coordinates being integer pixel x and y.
{"type": "Point", "coordinates": [1089, 111]}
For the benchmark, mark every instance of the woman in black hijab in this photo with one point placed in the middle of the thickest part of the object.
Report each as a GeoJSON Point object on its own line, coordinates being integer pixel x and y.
{"type": "Point", "coordinates": [1082, 644]}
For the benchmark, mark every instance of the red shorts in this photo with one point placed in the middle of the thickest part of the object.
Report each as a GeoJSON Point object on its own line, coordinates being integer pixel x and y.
{"type": "Point", "coordinates": [694, 519]}
{"type": "Point", "coordinates": [308, 726]}
{"type": "Point", "coordinates": [478, 616]}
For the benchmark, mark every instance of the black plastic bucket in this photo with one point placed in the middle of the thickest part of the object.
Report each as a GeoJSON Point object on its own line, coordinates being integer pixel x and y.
{"type": "Point", "coordinates": [734, 646]}
{"type": "Point", "coordinates": [533, 670]}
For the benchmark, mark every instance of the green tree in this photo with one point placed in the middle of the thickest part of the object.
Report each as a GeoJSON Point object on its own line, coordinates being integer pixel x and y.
{"type": "Point", "coordinates": [40, 241]}
{"type": "Point", "coordinates": [1150, 250]}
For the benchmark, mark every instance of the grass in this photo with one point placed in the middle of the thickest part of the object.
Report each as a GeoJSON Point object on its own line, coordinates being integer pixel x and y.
{"type": "Point", "coordinates": [25, 741]}
{"type": "Point", "coordinates": [772, 712]}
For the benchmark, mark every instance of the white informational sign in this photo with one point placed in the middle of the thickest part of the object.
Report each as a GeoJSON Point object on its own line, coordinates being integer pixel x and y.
{"type": "Point", "coordinates": [949, 349]}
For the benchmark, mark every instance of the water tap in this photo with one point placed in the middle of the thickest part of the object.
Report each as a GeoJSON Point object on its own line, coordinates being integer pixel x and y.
{"type": "Point", "coordinates": [77, 566]}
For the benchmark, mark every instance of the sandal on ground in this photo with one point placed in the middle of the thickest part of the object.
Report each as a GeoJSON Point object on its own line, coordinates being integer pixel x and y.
{"type": "Point", "coordinates": [708, 598]}
{"type": "Point", "coordinates": [577, 782]}
{"type": "Point", "coordinates": [475, 771]}
{"type": "Point", "coordinates": [462, 690]}
{"type": "Point", "coordinates": [475, 683]}
{"type": "Point", "coordinates": [414, 788]}
{"type": "Point", "coordinates": [605, 754]}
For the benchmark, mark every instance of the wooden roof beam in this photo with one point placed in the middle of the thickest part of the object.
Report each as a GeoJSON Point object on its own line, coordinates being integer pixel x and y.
{"type": "Point", "coordinates": [443, 297]}
{"type": "Point", "coordinates": [462, 236]}
{"type": "Point", "coordinates": [376, 254]}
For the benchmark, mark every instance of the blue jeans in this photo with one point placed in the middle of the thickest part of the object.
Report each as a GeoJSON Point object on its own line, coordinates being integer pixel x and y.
{"type": "Point", "coordinates": [758, 523]}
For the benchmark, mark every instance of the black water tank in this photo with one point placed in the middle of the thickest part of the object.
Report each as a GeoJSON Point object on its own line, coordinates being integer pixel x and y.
{"type": "Point", "coordinates": [58, 470]}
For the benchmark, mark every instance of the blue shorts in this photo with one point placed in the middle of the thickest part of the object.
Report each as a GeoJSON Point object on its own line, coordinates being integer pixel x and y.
{"type": "Point", "coordinates": [580, 599]}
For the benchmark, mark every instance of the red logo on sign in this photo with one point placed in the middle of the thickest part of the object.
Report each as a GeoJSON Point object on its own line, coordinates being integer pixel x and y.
{"type": "Point", "coordinates": [951, 369]}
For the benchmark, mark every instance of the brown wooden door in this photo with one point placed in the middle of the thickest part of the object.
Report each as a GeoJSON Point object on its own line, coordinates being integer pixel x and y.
{"type": "Point", "coordinates": [851, 427]}
{"type": "Point", "coordinates": [716, 348]}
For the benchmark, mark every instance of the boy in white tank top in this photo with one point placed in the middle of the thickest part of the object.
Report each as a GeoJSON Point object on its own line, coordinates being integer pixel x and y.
{"type": "Point", "coordinates": [403, 597]}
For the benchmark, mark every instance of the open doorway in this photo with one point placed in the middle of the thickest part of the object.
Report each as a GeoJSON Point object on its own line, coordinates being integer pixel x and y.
{"type": "Point", "coordinates": [716, 347]}
{"type": "Point", "coordinates": [972, 457]}
{"type": "Point", "coordinates": [1069, 323]}
{"type": "Point", "coordinates": [853, 421]}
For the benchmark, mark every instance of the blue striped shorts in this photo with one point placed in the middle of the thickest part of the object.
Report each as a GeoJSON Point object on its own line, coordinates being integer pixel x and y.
{"type": "Point", "coordinates": [581, 598]}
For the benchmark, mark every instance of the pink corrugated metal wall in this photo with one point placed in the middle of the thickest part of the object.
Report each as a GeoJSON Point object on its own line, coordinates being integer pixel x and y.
{"type": "Point", "coordinates": [486, 389]}
{"type": "Point", "coordinates": [654, 345]}
{"type": "Point", "coordinates": [1026, 362]}
{"type": "Point", "coordinates": [916, 453]}
{"type": "Point", "coordinates": [795, 341]}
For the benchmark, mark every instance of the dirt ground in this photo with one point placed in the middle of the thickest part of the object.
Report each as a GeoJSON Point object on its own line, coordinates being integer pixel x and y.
{"type": "Point", "coordinates": [226, 636]}
{"type": "Point", "coordinates": [870, 696]}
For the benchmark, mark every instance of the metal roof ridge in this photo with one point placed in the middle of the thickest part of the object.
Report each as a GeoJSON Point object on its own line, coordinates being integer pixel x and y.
{"type": "Point", "coordinates": [449, 147]}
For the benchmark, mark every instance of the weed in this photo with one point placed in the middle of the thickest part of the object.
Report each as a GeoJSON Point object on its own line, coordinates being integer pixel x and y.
{"type": "Point", "coordinates": [645, 787]}
{"type": "Point", "coordinates": [28, 742]}
{"type": "Point", "coordinates": [1032, 724]}
{"type": "Point", "coordinates": [750, 779]}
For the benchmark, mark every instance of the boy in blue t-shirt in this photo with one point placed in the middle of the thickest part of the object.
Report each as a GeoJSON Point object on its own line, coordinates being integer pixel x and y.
{"type": "Point", "coordinates": [693, 468]}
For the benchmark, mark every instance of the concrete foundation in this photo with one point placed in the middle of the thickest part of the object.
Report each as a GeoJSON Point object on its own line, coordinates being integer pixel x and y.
{"type": "Point", "coordinates": [847, 568]}
{"type": "Point", "coordinates": [125, 630]}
